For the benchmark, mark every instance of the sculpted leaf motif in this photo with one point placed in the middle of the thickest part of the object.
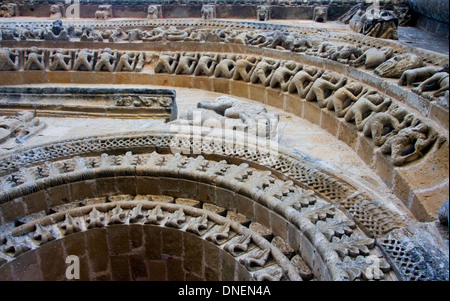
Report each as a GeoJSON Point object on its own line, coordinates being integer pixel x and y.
{"type": "Point", "coordinates": [117, 216]}
{"type": "Point", "coordinates": [95, 219]}
{"type": "Point", "coordinates": [238, 244]}
{"type": "Point", "coordinates": [42, 235]}
{"type": "Point", "coordinates": [154, 216]}
{"type": "Point", "coordinates": [128, 159]}
{"type": "Point", "coordinates": [255, 258]}
{"type": "Point", "coordinates": [280, 189]}
{"type": "Point", "coordinates": [365, 268]}
{"type": "Point", "coordinates": [274, 273]}
{"type": "Point", "coordinates": [335, 227]}
{"type": "Point", "coordinates": [176, 219]}
{"type": "Point", "coordinates": [352, 245]}
{"type": "Point", "coordinates": [260, 180]}
{"type": "Point", "coordinates": [218, 233]}
{"type": "Point", "coordinates": [15, 245]}
{"type": "Point", "coordinates": [70, 225]}
{"type": "Point", "coordinates": [197, 224]}
{"type": "Point", "coordinates": [136, 214]}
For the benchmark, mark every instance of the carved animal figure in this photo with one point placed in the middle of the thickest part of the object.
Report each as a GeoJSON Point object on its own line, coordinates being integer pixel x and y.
{"type": "Point", "coordinates": [373, 57]}
{"type": "Point", "coordinates": [320, 13]}
{"type": "Point", "coordinates": [153, 12]}
{"type": "Point", "coordinates": [420, 74]}
{"type": "Point", "coordinates": [56, 11]}
{"type": "Point", "coordinates": [376, 23]}
{"type": "Point", "coordinates": [395, 66]}
{"type": "Point", "coordinates": [9, 10]}
{"type": "Point", "coordinates": [263, 12]}
{"type": "Point", "coordinates": [104, 12]}
{"type": "Point", "coordinates": [208, 12]}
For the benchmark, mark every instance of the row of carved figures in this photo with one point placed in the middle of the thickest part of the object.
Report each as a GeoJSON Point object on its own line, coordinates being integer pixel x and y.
{"type": "Point", "coordinates": [392, 127]}
{"type": "Point", "coordinates": [70, 59]}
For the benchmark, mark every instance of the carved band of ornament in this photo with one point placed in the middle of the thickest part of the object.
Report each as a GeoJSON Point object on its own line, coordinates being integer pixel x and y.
{"type": "Point", "coordinates": [251, 27]}
{"type": "Point", "coordinates": [44, 59]}
{"type": "Point", "coordinates": [326, 185]}
{"type": "Point", "coordinates": [202, 223]}
{"type": "Point", "coordinates": [317, 219]}
{"type": "Point", "coordinates": [392, 127]}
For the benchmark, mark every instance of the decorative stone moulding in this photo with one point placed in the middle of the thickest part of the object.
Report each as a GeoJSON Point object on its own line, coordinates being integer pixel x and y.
{"type": "Point", "coordinates": [133, 103]}
{"type": "Point", "coordinates": [337, 234]}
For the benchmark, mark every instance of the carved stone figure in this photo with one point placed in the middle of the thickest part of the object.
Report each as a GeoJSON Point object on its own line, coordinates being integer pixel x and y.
{"type": "Point", "coordinates": [226, 66]}
{"type": "Point", "coordinates": [104, 12]}
{"type": "Point", "coordinates": [9, 10]}
{"type": "Point", "coordinates": [57, 32]}
{"type": "Point", "coordinates": [323, 87]}
{"type": "Point", "coordinates": [115, 35]}
{"type": "Point", "coordinates": [134, 34]}
{"type": "Point", "coordinates": [22, 127]}
{"type": "Point", "coordinates": [303, 80]}
{"type": "Point", "coordinates": [187, 63]}
{"type": "Point", "coordinates": [420, 74]}
{"type": "Point", "coordinates": [373, 57]}
{"type": "Point", "coordinates": [90, 34]}
{"type": "Point", "coordinates": [167, 63]}
{"type": "Point", "coordinates": [264, 71]}
{"type": "Point", "coordinates": [154, 12]}
{"type": "Point", "coordinates": [231, 112]}
{"type": "Point", "coordinates": [364, 108]}
{"type": "Point", "coordinates": [409, 143]}
{"type": "Point", "coordinates": [208, 11]}
{"type": "Point", "coordinates": [84, 58]}
{"type": "Point", "coordinates": [56, 11]}
{"type": "Point", "coordinates": [283, 74]}
{"type": "Point", "coordinates": [301, 44]}
{"type": "Point", "coordinates": [34, 59]}
{"type": "Point", "coordinates": [320, 13]}
{"type": "Point", "coordinates": [130, 61]}
{"type": "Point", "coordinates": [9, 59]}
{"type": "Point", "coordinates": [245, 67]}
{"type": "Point", "coordinates": [346, 54]}
{"type": "Point", "coordinates": [157, 34]}
{"type": "Point", "coordinates": [263, 13]}
{"type": "Point", "coordinates": [206, 64]}
{"type": "Point", "coordinates": [375, 23]}
{"type": "Point", "coordinates": [60, 59]}
{"type": "Point", "coordinates": [439, 80]}
{"type": "Point", "coordinates": [174, 34]}
{"type": "Point", "coordinates": [383, 125]}
{"type": "Point", "coordinates": [106, 58]}
{"type": "Point", "coordinates": [395, 66]}
{"type": "Point", "coordinates": [342, 100]}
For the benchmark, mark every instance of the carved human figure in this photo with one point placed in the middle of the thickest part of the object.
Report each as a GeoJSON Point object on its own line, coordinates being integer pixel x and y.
{"type": "Point", "coordinates": [264, 71]}
{"type": "Point", "coordinates": [365, 107]}
{"type": "Point", "coordinates": [115, 35]}
{"type": "Point", "coordinates": [9, 59]}
{"type": "Point", "coordinates": [206, 64]}
{"type": "Point", "coordinates": [226, 66]}
{"type": "Point", "coordinates": [167, 63]}
{"type": "Point", "coordinates": [237, 114]}
{"type": "Point", "coordinates": [409, 143]}
{"type": "Point", "coordinates": [373, 57]}
{"type": "Point", "coordinates": [60, 59]}
{"type": "Point", "coordinates": [383, 125]}
{"type": "Point", "coordinates": [134, 34]}
{"type": "Point", "coordinates": [106, 58]}
{"type": "Point", "coordinates": [187, 63]}
{"type": "Point", "coordinates": [130, 61]}
{"type": "Point", "coordinates": [420, 74]}
{"type": "Point", "coordinates": [84, 58]}
{"type": "Point", "coordinates": [323, 87]}
{"type": "Point", "coordinates": [303, 80]}
{"type": "Point", "coordinates": [263, 39]}
{"type": "Point", "coordinates": [156, 34]}
{"type": "Point", "coordinates": [283, 74]}
{"type": "Point", "coordinates": [245, 67]}
{"type": "Point", "coordinates": [341, 101]}
{"type": "Point", "coordinates": [34, 59]}
{"type": "Point", "coordinates": [439, 80]}
{"type": "Point", "coordinates": [302, 44]}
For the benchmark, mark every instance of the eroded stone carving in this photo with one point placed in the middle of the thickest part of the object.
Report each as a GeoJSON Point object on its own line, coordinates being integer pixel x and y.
{"type": "Point", "coordinates": [373, 57]}
{"type": "Point", "coordinates": [375, 23]}
{"type": "Point", "coordinates": [395, 66]}
{"type": "Point", "coordinates": [104, 12]}
{"type": "Point", "coordinates": [21, 127]}
{"type": "Point", "coordinates": [57, 11]}
{"type": "Point", "coordinates": [154, 12]}
{"type": "Point", "coordinates": [8, 10]}
{"type": "Point", "coordinates": [9, 59]}
{"type": "Point", "coordinates": [320, 13]}
{"type": "Point", "coordinates": [208, 11]}
{"type": "Point", "coordinates": [263, 12]}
